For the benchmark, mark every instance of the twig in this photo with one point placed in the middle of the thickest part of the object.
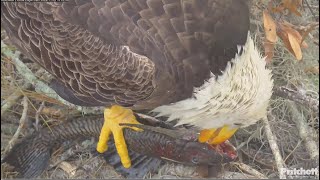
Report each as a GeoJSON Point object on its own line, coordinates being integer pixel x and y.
{"type": "Point", "coordinates": [38, 115]}
{"type": "Point", "coordinates": [295, 96]}
{"type": "Point", "coordinates": [269, 165]}
{"type": "Point", "coordinates": [274, 146]}
{"type": "Point", "coordinates": [12, 99]}
{"type": "Point", "coordinates": [292, 151]}
{"type": "Point", "coordinates": [22, 123]}
{"type": "Point", "coordinates": [305, 131]}
{"type": "Point", "coordinates": [247, 141]}
{"type": "Point", "coordinates": [249, 170]}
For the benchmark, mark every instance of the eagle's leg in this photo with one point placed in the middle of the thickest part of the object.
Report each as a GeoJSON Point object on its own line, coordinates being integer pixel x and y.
{"type": "Point", "coordinates": [112, 118]}
{"type": "Point", "coordinates": [216, 135]}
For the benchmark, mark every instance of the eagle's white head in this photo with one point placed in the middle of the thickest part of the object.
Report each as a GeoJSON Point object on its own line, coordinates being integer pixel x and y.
{"type": "Point", "coordinates": [237, 98]}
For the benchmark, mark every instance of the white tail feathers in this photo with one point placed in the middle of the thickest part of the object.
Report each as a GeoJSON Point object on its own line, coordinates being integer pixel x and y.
{"type": "Point", "coordinates": [239, 97]}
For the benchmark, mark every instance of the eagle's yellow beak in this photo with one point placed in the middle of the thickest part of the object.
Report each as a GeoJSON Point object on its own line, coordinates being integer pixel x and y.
{"type": "Point", "coordinates": [216, 135]}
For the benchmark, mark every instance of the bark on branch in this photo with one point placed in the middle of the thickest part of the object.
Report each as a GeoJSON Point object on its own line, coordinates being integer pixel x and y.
{"type": "Point", "coordinates": [274, 146]}
{"type": "Point", "coordinates": [296, 96]}
{"type": "Point", "coordinates": [305, 131]}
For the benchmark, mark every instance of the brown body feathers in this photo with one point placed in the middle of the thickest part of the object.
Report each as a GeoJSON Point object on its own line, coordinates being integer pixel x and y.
{"type": "Point", "coordinates": [135, 53]}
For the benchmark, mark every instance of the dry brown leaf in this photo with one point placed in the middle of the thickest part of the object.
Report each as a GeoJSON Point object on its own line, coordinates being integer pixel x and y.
{"type": "Point", "coordinates": [268, 50]}
{"type": "Point", "coordinates": [303, 44]}
{"type": "Point", "coordinates": [307, 31]}
{"type": "Point", "coordinates": [287, 27]}
{"type": "Point", "coordinates": [290, 28]}
{"type": "Point", "coordinates": [284, 37]}
{"type": "Point", "coordinates": [278, 9]}
{"type": "Point", "coordinates": [270, 27]}
{"type": "Point", "coordinates": [291, 5]}
{"type": "Point", "coordinates": [295, 33]}
{"type": "Point", "coordinates": [313, 70]}
{"type": "Point", "coordinates": [291, 39]}
{"type": "Point", "coordinates": [295, 45]}
{"type": "Point", "coordinates": [287, 24]}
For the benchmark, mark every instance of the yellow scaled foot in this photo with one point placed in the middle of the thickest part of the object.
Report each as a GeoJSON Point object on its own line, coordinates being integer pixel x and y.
{"type": "Point", "coordinates": [216, 136]}
{"type": "Point", "coordinates": [112, 118]}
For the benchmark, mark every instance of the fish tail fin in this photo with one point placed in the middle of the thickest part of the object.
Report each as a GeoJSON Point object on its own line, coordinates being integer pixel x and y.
{"type": "Point", "coordinates": [30, 157]}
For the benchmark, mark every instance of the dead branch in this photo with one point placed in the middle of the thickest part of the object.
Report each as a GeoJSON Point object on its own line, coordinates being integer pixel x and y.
{"type": "Point", "coordinates": [296, 96]}
{"type": "Point", "coordinates": [274, 146]}
{"type": "Point", "coordinates": [22, 123]}
{"type": "Point", "coordinates": [305, 131]}
{"type": "Point", "coordinates": [250, 170]}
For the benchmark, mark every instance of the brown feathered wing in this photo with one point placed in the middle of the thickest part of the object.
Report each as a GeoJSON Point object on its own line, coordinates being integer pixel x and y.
{"type": "Point", "coordinates": [135, 53]}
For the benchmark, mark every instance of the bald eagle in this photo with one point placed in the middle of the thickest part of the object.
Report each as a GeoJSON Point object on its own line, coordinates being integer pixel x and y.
{"type": "Point", "coordinates": [193, 61]}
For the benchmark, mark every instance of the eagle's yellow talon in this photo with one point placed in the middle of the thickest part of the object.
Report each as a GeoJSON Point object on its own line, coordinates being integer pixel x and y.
{"type": "Point", "coordinates": [105, 133]}
{"type": "Point", "coordinates": [216, 135]}
{"type": "Point", "coordinates": [112, 118]}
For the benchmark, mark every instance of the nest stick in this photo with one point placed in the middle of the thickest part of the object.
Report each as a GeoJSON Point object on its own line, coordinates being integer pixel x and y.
{"type": "Point", "coordinates": [22, 123]}
{"type": "Point", "coordinates": [274, 146]}
{"type": "Point", "coordinates": [248, 169]}
{"type": "Point", "coordinates": [305, 131]}
{"type": "Point", "coordinates": [296, 96]}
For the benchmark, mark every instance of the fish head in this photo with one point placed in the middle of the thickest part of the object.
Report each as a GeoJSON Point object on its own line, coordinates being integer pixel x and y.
{"type": "Point", "coordinates": [204, 154]}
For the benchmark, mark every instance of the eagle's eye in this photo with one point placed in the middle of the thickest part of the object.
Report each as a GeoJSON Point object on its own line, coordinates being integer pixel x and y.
{"type": "Point", "coordinates": [195, 160]}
